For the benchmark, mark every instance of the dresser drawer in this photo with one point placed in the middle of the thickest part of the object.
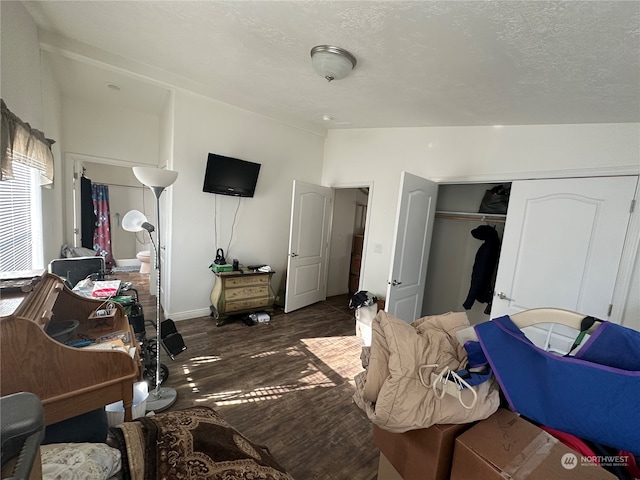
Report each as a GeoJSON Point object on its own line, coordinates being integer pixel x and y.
{"type": "Point", "coordinates": [245, 281]}
{"type": "Point", "coordinates": [231, 294]}
{"type": "Point", "coordinates": [247, 304]}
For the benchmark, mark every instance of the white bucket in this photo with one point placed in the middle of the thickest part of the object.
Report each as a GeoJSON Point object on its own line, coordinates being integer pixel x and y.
{"type": "Point", "coordinates": [364, 322]}
{"type": "Point", "coordinates": [115, 411]}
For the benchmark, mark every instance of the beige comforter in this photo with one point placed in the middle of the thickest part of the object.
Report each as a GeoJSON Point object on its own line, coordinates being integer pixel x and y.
{"type": "Point", "coordinates": [391, 392]}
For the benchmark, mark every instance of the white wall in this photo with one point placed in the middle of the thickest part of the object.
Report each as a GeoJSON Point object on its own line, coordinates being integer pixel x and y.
{"type": "Point", "coordinates": [110, 132]}
{"type": "Point", "coordinates": [21, 76]}
{"type": "Point", "coordinates": [105, 134]}
{"type": "Point", "coordinates": [165, 132]}
{"type": "Point", "coordinates": [481, 153]}
{"type": "Point", "coordinates": [53, 217]}
{"type": "Point", "coordinates": [165, 161]}
{"type": "Point", "coordinates": [29, 91]}
{"type": "Point", "coordinates": [261, 232]}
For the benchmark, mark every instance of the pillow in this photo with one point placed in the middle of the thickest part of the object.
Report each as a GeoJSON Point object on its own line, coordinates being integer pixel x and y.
{"type": "Point", "coordinates": [79, 461]}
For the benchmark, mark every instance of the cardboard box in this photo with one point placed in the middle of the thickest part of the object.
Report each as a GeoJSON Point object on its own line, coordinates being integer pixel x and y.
{"type": "Point", "coordinates": [423, 454]}
{"type": "Point", "coordinates": [507, 446]}
{"type": "Point", "coordinates": [386, 470]}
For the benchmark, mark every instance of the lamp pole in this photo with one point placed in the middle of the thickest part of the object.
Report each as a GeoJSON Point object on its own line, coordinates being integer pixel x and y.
{"type": "Point", "coordinates": [157, 180]}
{"type": "Point", "coordinates": [157, 191]}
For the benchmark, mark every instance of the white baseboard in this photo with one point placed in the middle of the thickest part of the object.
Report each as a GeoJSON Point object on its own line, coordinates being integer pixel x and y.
{"type": "Point", "coordinates": [203, 312]}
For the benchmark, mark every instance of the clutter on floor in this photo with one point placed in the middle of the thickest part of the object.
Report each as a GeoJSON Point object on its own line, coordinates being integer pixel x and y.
{"type": "Point", "coordinates": [448, 400]}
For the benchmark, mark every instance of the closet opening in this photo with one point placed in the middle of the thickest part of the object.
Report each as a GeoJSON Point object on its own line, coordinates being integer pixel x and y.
{"type": "Point", "coordinates": [463, 246]}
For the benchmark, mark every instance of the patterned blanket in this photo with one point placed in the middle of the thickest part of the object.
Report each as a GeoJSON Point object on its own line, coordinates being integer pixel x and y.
{"type": "Point", "coordinates": [194, 443]}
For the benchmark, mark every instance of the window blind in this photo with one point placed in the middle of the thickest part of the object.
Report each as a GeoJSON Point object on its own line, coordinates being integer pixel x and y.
{"type": "Point", "coordinates": [16, 236]}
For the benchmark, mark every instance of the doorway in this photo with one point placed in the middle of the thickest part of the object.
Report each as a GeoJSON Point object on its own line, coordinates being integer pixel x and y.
{"type": "Point", "coordinates": [348, 230]}
{"type": "Point", "coordinates": [125, 192]}
{"type": "Point", "coordinates": [321, 240]}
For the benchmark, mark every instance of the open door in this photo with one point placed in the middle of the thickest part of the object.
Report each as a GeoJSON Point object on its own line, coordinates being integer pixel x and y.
{"type": "Point", "coordinates": [76, 201]}
{"type": "Point", "coordinates": [311, 212]}
{"type": "Point", "coordinates": [414, 226]}
{"type": "Point", "coordinates": [562, 247]}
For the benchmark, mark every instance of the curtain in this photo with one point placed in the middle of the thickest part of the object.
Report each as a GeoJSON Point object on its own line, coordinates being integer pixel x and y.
{"type": "Point", "coordinates": [21, 143]}
{"type": "Point", "coordinates": [102, 234]}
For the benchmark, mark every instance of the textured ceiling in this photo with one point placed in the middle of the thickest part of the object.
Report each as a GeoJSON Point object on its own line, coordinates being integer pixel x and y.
{"type": "Point", "coordinates": [422, 63]}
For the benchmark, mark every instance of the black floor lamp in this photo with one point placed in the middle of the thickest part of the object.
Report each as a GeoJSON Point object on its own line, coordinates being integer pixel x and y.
{"type": "Point", "coordinates": [157, 180]}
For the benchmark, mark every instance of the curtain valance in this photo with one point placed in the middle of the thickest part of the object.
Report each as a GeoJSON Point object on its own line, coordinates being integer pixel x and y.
{"type": "Point", "coordinates": [21, 143]}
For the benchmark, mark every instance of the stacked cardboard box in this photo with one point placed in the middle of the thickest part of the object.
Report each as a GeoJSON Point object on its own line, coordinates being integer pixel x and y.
{"type": "Point", "coordinates": [501, 446]}
{"type": "Point", "coordinates": [507, 446]}
{"type": "Point", "coordinates": [423, 454]}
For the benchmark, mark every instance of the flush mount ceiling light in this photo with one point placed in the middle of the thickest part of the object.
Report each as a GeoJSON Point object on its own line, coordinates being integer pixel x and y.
{"type": "Point", "coordinates": [113, 86]}
{"type": "Point", "coordinates": [332, 63]}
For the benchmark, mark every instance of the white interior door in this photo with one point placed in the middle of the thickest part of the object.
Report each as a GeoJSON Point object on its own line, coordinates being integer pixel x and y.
{"type": "Point", "coordinates": [76, 204]}
{"type": "Point", "coordinates": [414, 226]}
{"type": "Point", "coordinates": [311, 212]}
{"type": "Point", "coordinates": [562, 244]}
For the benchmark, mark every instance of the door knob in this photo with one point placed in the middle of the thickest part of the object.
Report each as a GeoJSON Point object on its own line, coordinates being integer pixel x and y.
{"type": "Point", "coordinates": [395, 282]}
{"type": "Point", "coordinates": [502, 296]}
{"type": "Point", "coordinates": [293, 255]}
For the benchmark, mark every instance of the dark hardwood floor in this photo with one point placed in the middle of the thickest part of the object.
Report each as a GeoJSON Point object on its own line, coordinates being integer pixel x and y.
{"type": "Point", "coordinates": [286, 384]}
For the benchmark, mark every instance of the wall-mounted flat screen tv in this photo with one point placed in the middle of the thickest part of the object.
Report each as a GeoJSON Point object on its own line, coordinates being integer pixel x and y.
{"type": "Point", "coordinates": [230, 176]}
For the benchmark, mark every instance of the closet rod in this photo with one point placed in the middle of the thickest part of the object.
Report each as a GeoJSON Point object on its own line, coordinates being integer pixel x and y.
{"type": "Point", "coordinates": [120, 185]}
{"type": "Point", "coordinates": [472, 217]}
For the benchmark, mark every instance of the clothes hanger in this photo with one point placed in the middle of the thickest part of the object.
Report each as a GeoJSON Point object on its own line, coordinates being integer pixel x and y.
{"type": "Point", "coordinates": [531, 317]}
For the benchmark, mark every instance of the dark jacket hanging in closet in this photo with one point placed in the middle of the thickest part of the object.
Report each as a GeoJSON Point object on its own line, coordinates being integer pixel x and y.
{"type": "Point", "coordinates": [87, 213]}
{"type": "Point", "coordinates": [484, 266]}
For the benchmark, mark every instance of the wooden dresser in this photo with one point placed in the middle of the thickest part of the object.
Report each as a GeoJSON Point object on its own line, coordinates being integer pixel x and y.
{"type": "Point", "coordinates": [243, 291]}
{"type": "Point", "coordinates": [69, 381]}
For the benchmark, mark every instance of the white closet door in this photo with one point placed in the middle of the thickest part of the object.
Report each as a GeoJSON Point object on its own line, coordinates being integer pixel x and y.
{"type": "Point", "coordinates": [414, 226]}
{"type": "Point", "coordinates": [562, 244]}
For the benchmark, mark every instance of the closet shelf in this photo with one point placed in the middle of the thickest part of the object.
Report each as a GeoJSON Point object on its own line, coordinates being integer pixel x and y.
{"type": "Point", "coordinates": [470, 216]}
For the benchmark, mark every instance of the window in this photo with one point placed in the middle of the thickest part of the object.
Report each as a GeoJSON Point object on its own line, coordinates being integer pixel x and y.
{"type": "Point", "coordinates": [21, 243]}
{"type": "Point", "coordinates": [26, 163]}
